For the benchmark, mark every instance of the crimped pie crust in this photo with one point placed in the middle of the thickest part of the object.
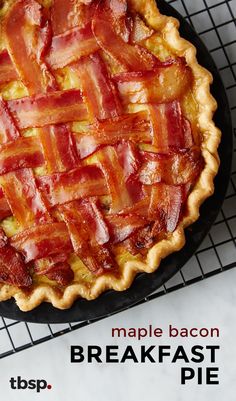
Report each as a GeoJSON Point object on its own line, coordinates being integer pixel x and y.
{"type": "Point", "coordinates": [167, 28]}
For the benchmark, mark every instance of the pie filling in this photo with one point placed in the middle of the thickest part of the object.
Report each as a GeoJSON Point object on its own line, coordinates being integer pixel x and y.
{"type": "Point", "coordinates": [99, 145]}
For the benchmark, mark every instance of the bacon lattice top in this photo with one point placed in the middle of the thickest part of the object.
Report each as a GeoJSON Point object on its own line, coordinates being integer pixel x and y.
{"type": "Point", "coordinates": [121, 181]}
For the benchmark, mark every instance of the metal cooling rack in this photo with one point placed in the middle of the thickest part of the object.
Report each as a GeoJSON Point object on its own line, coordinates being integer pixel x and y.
{"type": "Point", "coordinates": [214, 21]}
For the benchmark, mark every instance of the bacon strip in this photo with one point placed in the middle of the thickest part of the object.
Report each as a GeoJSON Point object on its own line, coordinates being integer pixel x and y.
{"type": "Point", "coordinates": [58, 148]}
{"type": "Point", "coordinates": [131, 57]}
{"type": "Point", "coordinates": [55, 268]}
{"type": "Point", "coordinates": [93, 217]}
{"type": "Point", "coordinates": [115, 179]}
{"type": "Point", "coordinates": [123, 189]}
{"type": "Point", "coordinates": [117, 14]}
{"type": "Point", "coordinates": [23, 152]}
{"type": "Point", "coordinates": [122, 226]}
{"type": "Point", "coordinates": [64, 187]}
{"type": "Point", "coordinates": [71, 46]}
{"type": "Point", "coordinates": [12, 268]}
{"type": "Point", "coordinates": [43, 265]}
{"type": "Point", "coordinates": [130, 127]}
{"type": "Point", "coordinates": [88, 233]}
{"type": "Point", "coordinates": [8, 130]}
{"type": "Point", "coordinates": [61, 273]}
{"type": "Point", "coordinates": [170, 128]}
{"type": "Point", "coordinates": [129, 158]}
{"type": "Point", "coordinates": [24, 198]}
{"type": "Point", "coordinates": [173, 168]}
{"type": "Point", "coordinates": [90, 217]}
{"type": "Point", "coordinates": [7, 70]}
{"type": "Point", "coordinates": [151, 86]}
{"type": "Point", "coordinates": [53, 108]}
{"type": "Point", "coordinates": [5, 210]}
{"type": "Point", "coordinates": [98, 89]}
{"type": "Point", "coordinates": [3, 238]}
{"type": "Point", "coordinates": [41, 241]}
{"type": "Point", "coordinates": [25, 38]}
{"type": "Point", "coordinates": [66, 14]}
{"type": "Point", "coordinates": [167, 200]}
{"type": "Point", "coordinates": [164, 211]}
{"type": "Point", "coordinates": [144, 238]}
{"type": "Point", "coordinates": [139, 208]}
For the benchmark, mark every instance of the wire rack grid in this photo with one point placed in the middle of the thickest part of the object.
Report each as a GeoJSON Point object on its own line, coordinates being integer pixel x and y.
{"type": "Point", "coordinates": [214, 21]}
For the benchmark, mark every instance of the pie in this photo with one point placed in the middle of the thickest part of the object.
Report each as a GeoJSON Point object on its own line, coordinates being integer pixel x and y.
{"type": "Point", "coordinates": [107, 146]}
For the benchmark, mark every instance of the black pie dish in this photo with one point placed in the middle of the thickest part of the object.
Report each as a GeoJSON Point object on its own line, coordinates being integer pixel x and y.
{"type": "Point", "coordinates": [144, 284]}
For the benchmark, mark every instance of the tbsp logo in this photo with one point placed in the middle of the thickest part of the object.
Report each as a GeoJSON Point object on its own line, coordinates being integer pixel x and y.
{"type": "Point", "coordinates": [32, 384]}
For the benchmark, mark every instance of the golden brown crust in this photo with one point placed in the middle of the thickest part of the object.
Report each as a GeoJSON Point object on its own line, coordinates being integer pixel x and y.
{"type": "Point", "coordinates": [168, 28]}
